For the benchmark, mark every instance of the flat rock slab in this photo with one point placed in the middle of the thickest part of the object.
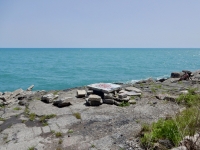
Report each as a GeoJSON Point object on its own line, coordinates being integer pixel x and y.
{"type": "Point", "coordinates": [133, 89]}
{"type": "Point", "coordinates": [133, 93]}
{"type": "Point", "coordinates": [93, 97]}
{"type": "Point", "coordinates": [104, 87]}
{"type": "Point", "coordinates": [40, 108]}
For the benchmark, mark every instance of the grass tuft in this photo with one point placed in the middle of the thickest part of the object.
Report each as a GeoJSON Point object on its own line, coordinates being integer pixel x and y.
{"type": "Point", "coordinates": [124, 104]}
{"type": "Point", "coordinates": [77, 115]}
{"type": "Point", "coordinates": [17, 108]}
{"type": "Point", "coordinates": [32, 116]}
{"type": "Point", "coordinates": [58, 134]}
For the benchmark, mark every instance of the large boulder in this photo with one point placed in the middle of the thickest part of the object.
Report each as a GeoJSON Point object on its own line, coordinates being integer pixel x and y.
{"type": "Point", "coordinates": [63, 102]}
{"type": "Point", "coordinates": [48, 98]}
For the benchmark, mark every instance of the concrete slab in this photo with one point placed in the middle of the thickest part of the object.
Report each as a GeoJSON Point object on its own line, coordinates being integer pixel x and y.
{"type": "Point", "coordinates": [104, 87]}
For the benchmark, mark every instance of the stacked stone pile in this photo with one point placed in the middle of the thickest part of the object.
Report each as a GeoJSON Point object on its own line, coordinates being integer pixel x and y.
{"type": "Point", "coordinates": [96, 98]}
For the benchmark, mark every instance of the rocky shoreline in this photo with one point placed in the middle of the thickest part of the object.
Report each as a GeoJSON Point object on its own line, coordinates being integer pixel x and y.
{"type": "Point", "coordinates": [84, 118]}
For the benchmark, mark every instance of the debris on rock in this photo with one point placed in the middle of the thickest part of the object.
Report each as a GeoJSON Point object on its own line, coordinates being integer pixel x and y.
{"type": "Point", "coordinates": [48, 98]}
{"type": "Point", "coordinates": [30, 88]}
{"type": "Point", "coordinates": [63, 102]}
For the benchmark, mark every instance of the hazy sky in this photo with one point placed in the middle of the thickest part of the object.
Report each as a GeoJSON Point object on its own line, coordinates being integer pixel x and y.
{"type": "Point", "coordinates": [100, 23]}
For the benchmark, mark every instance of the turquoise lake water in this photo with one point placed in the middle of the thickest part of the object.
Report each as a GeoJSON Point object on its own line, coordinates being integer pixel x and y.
{"type": "Point", "coordinates": [53, 69]}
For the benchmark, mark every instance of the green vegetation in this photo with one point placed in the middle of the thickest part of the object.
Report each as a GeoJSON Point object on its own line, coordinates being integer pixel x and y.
{"type": "Point", "coordinates": [31, 148]}
{"type": "Point", "coordinates": [44, 118]}
{"type": "Point", "coordinates": [58, 134]}
{"type": "Point", "coordinates": [153, 90]}
{"type": "Point", "coordinates": [60, 141]}
{"type": "Point", "coordinates": [2, 119]}
{"type": "Point", "coordinates": [32, 116]}
{"type": "Point", "coordinates": [175, 129]}
{"type": "Point", "coordinates": [70, 131]}
{"type": "Point", "coordinates": [17, 108]}
{"type": "Point", "coordinates": [55, 93]}
{"type": "Point", "coordinates": [26, 111]}
{"type": "Point", "coordinates": [124, 104]}
{"type": "Point", "coordinates": [189, 99]}
{"type": "Point", "coordinates": [77, 115]}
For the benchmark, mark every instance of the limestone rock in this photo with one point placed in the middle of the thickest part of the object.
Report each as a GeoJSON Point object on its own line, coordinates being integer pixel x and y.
{"type": "Point", "coordinates": [122, 95]}
{"type": "Point", "coordinates": [108, 101]}
{"type": "Point", "coordinates": [23, 103]}
{"type": "Point", "coordinates": [170, 98]}
{"type": "Point", "coordinates": [93, 97]}
{"type": "Point", "coordinates": [166, 97]}
{"type": "Point", "coordinates": [48, 98]}
{"type": "Point", "coordinates": [17, 92]}
{"type": "Point", "coordinates": [132, 101]}
{"type": "Point", "coordinates": [184, 92]}
{"type": "Point", "coordinates": [133, 89]}
{"type": "Point", "coordinates": [133, 93]}
{"type": "Point", "coordinates": [94, 100]}
{"type": "Point", "coordinates": [30, 88]}
{"type": "Point", "coordinates": [122, 91]}
{"type": "Point", "coordinates": [116, 103]}
{"type": "Point", "coordinates": [160, 96]}
{"type": "Point", "coordinates": [89, 92]}
{"type": "Point", "coordinates": [63, 102]}
{"type": "Point", "coordinates": [81, 93]}
{"type": "Point", "coordinates": [108, 96]}
{"type": "Point", "coordinates": [126, 99]}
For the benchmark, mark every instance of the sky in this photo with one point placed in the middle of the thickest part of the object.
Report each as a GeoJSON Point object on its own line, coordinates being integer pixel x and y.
{"type": "Point", "coordinates": [99, 24]}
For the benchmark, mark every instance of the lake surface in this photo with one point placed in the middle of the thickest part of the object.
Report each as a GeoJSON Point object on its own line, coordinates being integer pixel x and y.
{"type": "Point", "coordinates": [56, 69]}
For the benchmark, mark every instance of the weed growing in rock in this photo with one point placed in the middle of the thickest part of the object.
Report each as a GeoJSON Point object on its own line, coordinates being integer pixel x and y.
{"type": "Point", "coordinates": [2, 119]}
{"type": "Point", "coordinates": [26, 111]}
{"type": "Point", "coordinates": [17, 108]}
{"type": "Point", "coordinates": [23, 121]}
{"type": "Point", "coordinates": [31, 148]}
{"type": "Point", "coordinates": [70, 131]}
{"type": "Point", "coordinates": [189, 99]}
{"type": "Point", "coordinates": [58, 134]}
{"type": "Point", "coordinates": [60, 141]}
{"type": "Point", "coordinates": [53, 131]}
{"type": "Point", "coordinates": [55, 93]}
{"type": "Point", "coordinates": [153, 90]}
{"type": "Point", "coordinates": [32, 116]}
{"type": "Point", "coordinates": [175, 129]}
{"type": "Point", "coordinates": [77, 115]}
{"type": "Point", "coordinates": [124, 104]}
{"type": "Point", "coordinates": [44, 118]}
